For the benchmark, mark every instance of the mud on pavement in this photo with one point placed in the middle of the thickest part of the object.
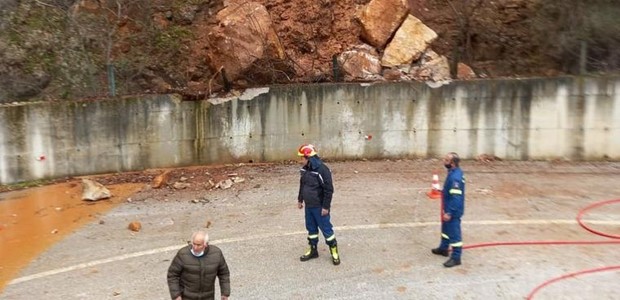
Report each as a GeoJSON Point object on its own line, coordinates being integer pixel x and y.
{"type": "Point", "coordinates": [385, 226]}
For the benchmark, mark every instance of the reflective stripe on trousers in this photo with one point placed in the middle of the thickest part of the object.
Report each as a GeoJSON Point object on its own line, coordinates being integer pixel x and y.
{"type": "Point", "coordinates": [451, 236]}
{"type": "Point", "coordinates": [314, 222]}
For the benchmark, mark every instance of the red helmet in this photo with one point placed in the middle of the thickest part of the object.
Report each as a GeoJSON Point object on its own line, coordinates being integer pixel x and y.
{"type": "Point", "coordinates": [306, 150]}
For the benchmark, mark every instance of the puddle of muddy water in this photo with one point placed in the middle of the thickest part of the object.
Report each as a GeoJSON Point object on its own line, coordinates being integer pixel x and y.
{"type": "Point", "coordinates": [32, 220]}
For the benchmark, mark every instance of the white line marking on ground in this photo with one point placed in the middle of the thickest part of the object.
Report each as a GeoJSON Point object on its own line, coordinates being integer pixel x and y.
{"type": "Point", "coordinates": [273, 235]}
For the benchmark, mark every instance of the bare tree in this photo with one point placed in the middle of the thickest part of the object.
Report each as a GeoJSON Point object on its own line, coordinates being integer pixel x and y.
{"type": "Point", "coordinates": [464, 11]}
{"type": "Point", "coordinates": [579, 35]}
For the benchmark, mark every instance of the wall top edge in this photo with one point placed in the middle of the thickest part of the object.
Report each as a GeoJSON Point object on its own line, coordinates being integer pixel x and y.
{"type": "Point", "coordinates": [250, 93]}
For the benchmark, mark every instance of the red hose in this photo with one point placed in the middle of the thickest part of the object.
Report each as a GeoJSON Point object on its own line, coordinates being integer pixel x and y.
{"type": "Point", "coordinates": [581, 223]}
{"type": "Point", "coordinates": [591, 206]}
{"type": "Point", "coordinates": [569, 275]}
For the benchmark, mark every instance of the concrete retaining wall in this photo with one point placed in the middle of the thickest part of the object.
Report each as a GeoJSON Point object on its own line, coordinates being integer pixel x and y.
{"type": "Point", "coordinates": [572, 118]}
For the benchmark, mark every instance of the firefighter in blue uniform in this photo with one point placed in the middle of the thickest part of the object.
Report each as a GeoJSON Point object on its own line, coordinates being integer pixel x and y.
{"type": "Point", "coordinates": [453, 204]}
{"type": "Point", "coordinates": [315, 190]}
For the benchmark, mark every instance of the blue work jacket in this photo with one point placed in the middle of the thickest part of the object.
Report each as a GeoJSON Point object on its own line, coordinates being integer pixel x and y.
{"type": "Point", "coordinates": [454, 193]}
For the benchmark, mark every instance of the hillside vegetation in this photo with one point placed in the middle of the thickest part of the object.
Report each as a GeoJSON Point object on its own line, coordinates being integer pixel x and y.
{"type": "Point", "coordinates": [68, 49]}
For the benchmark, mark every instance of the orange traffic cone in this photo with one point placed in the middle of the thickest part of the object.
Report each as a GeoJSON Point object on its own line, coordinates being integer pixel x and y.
{"type": "Point", "coordinates": [435, 192]}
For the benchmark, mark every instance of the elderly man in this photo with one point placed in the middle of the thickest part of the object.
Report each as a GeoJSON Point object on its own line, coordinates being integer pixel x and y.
{"type": "Point", "coordinates": [192, 273]}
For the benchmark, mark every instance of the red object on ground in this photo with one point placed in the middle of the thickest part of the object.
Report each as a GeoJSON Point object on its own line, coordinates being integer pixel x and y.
{"type": "Point", "coordinates": [568, 275]}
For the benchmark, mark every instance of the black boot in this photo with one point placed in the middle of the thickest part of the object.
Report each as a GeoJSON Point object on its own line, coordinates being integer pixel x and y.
{"type": "Point", "coordinates": [310, 254]}
{"type": "Point", "coordinates": [439, 251]}
{"type": "Point", "coordinates": [335, 256]}
{"type": "Point", "coordinates": [452, 262]}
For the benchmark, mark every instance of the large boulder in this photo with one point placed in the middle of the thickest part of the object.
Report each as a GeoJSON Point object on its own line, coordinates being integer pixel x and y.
{"type": "Point", "coordinates": [380, 18]}
{"type": "Point", "coordinates": [244, 34]}
{"type": "Point", "coordinates": [465, 72]}
{"type": "Point", "coordinates": [396, 74]}
{"type": "Point", "coordinates": [161, 180]}
{"type": "Point", "coordinates": [432, 67]}
{"type": "Point", "coordinates": [94, 191]}
{"type": "Point", "coordinates": [361, 62]}
{"type": "Point", "coordinates": [409, 42]}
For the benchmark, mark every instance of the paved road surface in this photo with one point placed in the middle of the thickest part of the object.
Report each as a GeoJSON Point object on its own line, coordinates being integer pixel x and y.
{"type": "Point", "coordinates": [385, 227]}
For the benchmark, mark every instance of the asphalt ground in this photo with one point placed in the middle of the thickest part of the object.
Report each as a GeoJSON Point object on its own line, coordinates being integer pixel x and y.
{"type": "Point", "coordinates": [385, 226]}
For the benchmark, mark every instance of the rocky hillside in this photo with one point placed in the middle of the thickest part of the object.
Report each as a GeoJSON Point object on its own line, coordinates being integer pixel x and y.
{"type": "Point", "coordinates": [67, 49]}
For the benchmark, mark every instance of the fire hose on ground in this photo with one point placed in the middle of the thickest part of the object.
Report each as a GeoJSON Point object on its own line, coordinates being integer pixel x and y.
{"type": "Point", "coordinates": [580, 215]}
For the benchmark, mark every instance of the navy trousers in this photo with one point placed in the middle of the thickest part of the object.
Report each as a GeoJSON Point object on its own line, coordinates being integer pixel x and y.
{"type": "Point", "coordinates": [451, 237]}
{"type": "Point", "coordinates": [314, 222]}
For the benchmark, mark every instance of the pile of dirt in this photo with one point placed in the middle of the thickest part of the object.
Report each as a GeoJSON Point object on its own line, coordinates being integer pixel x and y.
{"type": "Point", "coordinates": [312, 32]}
{"type": "Point", "coordinates": [162, 46]}
{"type": "Point", "coordinates": [498, 42]}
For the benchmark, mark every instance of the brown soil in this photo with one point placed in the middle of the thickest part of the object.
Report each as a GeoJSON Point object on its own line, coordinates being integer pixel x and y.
{"type": "Point", "coordinates": [312, 32]}
{"type": "Point", "coordinates": [161, 46]}
{"type": "Point", "coordinates": [33, 219]}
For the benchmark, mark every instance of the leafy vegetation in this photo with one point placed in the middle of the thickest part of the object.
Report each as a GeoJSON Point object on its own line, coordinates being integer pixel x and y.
{"type": "Point", "coordinates": [172, 38]}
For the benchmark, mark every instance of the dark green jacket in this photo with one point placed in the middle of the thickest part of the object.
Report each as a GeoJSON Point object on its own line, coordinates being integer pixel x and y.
{"type": "Point", "coordinates": [193, 278]}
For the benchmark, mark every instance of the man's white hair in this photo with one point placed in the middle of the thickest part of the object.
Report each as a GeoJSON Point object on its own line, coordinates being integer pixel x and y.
{"type": "Point", "coordinates": [201, 233]}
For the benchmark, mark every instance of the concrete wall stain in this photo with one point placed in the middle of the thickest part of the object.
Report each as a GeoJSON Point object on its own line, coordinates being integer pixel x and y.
{"type": "Point", "coordinates": [13, 148]}
{"type": "Point", "coordinates": [576, 107]}
{"type": "Point", "coordinates": [441, 120]}
{"type": "Point", "coordinates": [515, 119]}
{"type": "Point", "coordinates": [200, 116]}
{"type": "Point", "coordinates": [524, 103]}
{"type": "Point", "coordinates": [474, 106]}
{"type": "Point", "coordinates": [599, 119]}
